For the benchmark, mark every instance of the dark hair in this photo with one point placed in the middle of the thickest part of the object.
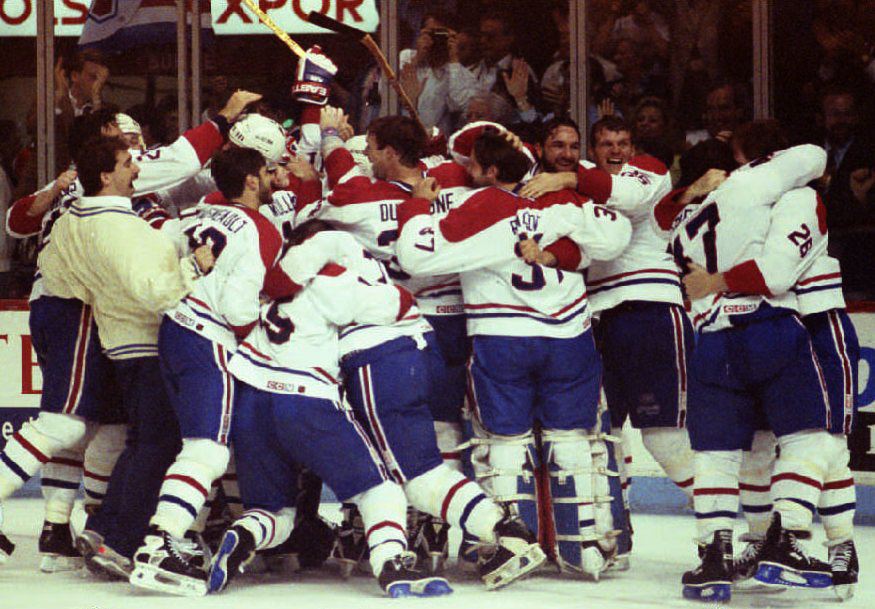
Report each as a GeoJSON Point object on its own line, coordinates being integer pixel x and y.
{"type": "Point", "coordinates": [839, 89]}
{"type": "Point", "coordinates": [231, 167]}
{"type": "Point", "coordinates": [77, 61]}
{"type": "Point", "coordinates": [304, 231]}
{"type": "Point", "coordinates": [502, 17]}
{"type": "Point", "coordinates": [401, 133]}
{"type": "Point", "coordinates": [492, 149]}
{"type": "Point", "coordinates": [656, 147]}
{"type": "Point", "coordinates": [445, 18]}
{"type": "Point", "coordinates": [88, 126]}
{"type": "Point", "coordinates": [710, 154]}
{"type": "Point", "coordinates": [759, 138]}
{"type": "Point", "coordinates": [608, 123]}
{"type": "Point", "coordinates": [96, 156]}
{"type": "Point", "coordinates": [554, 123]}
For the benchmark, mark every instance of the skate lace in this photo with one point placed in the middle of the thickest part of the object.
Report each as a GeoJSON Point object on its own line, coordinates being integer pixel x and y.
{"type": "Point", "coordinates": [176, 548]}
{"type": "Point", "coordinates": [749, 554]}
{"type": "Point", "coordinates": [841, 557]}
{"type": "Point", "coordinates": [797, 547]}
{"type": "Point", "coordinates": [187, 547]}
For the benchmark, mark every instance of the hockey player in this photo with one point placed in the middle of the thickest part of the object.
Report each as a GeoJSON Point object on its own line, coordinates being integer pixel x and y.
{"type": "Point", "coordinates": [752, 351]}
{"type": "Point", "coordinates": [198, 336]}
{"type": "Point", "coordinates": [102, 254]}
{"type": "Point", "coordinates": [533, 354]}
{"type": "Point", "coordinates": [386, 377]}
{"type": "Point", "coordinates": [76, 375]}
{"type": "Point", "coordinates": [638, 292]}
{"type": "Point", "coordinates": [289, 410]}
{"type": "Point", "coordinates": [794, 259]}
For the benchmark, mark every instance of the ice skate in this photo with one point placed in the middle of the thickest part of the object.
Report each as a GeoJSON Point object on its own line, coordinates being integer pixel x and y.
{"type": "Point", "coordinates": [6, 546]}
{"type": "Point", "coordinates": [160, 564]}
{"type": "Point", "coordinates": [430, 542]}
{"type": "Point", "coordinates": [710, 581]}
{"type": "Point", "coordinates": [517, 554]}
{"type": "Point", "coordinates": [351, 547]}
{"type": "Point", "coordinates": [785, 562]}
{"type": "Point", "coordinates": [235, 551]}
{"type": "Point", "coordinates": [399, 578]}
{"type": "Point", "coordinates": [845, 569]}
{"type": "Point", "coordinates": [57, 549]}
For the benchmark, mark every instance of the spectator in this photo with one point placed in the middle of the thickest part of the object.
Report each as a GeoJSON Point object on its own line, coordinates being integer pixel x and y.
{"type": "Point", "coordinates": [636, 21]}
{"type": "Point", "coordinates": [694, 52]}
{"type": "Point", "coordinates": [434, 79]}
{"type": "Point", "coordinates": [489, 107]}
{"type": "Point", "coordinates": [501, 71]}
{"type": "Point", "coordinates": [79, 83]}
{"type": "Point", "coordinates": [724, 111]}
{"type": "Point", "coordinates": [638, 81]}
{"type": "Point", "coordinates": [467, 47]}
{"type": "Point", "coordinates": [556, 81]}
{"type": "Point", "coordinates": [847, 151]}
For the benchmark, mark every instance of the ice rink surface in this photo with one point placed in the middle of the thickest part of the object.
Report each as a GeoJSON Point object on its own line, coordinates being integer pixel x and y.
{"type": "Point", "coordinates": [663, 550]}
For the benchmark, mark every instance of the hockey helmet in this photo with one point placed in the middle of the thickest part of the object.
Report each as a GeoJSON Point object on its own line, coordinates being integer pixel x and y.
{"type": "Point", "coordinates": [262, 134]}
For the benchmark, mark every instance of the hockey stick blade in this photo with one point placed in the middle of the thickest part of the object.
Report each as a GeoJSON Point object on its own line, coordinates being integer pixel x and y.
{"type": "Point", "coordinates": [334, 25]}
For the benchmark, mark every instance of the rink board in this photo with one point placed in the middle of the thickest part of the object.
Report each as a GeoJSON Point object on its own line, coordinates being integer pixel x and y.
{"type": "Point", "coordinates": [20, 383]}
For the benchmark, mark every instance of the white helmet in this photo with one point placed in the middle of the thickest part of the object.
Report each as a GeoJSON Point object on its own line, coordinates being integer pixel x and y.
{"type": "Point", "coordinates": [356, 146]}
{"type": "Point", "coordinates": [262, 134]}
{"type": "Point", "coordinates": [127, 124]}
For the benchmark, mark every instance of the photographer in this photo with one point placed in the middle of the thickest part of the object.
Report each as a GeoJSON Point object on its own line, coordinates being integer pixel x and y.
{"type": "Point", "coordinates": [432, 76]}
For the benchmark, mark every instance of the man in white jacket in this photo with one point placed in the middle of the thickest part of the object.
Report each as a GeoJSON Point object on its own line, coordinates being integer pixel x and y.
{"type": "Point", "coordinates": [106, 256]}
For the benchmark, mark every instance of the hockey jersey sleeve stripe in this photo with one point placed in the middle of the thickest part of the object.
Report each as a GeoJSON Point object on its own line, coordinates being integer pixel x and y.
{"type": "Point", "coordinates": [18, 223]}
{"type": "Point", "coordinates": [649, 163]}
{"type": "Point", "coordinates": [594, 183]}
{"type": "Point", "coordinates": [206, 139]}
{"type": "Point", "coordinates": [479, 212]}
{"type": "Point", "coordinates": [667, 209]}
{"type": "Point", "coordinates": [747, 279]}
{"type": "Point", "coordinates": [567, 254]}
{"type": "Point", "coordinates": [338, 164]}
{"type": "Point", "coordinates": [411, 208]}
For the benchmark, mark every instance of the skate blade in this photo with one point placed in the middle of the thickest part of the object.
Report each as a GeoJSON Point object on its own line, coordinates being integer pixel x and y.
{"type": "Point", "coordinates": [428, 587]}
{"type": "Point", "coordinates": [152, 578]}
{"type": "Point", "coordinates": [105, 569]}
{"type": "Point", "coordinates": [751, 586]}
{"type": "Point", "coordinates": [844, 592]}
{"type": "Point", "coordinates": [54, 563]}
{"type": "Point", "coordinates": [709, 593]}
{"type": "Point", "coordinates": [517, 568]}
{"type": "Point", "coordinates": [619, 563]}
{"type": "Point", "coordinates": [436, 562]}
{"type": "Point", "coordinates": [773, 574]}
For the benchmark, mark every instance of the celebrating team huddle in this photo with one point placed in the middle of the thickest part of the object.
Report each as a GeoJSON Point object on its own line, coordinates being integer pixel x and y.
{"type": "Point", "coordinates": [448, 334]}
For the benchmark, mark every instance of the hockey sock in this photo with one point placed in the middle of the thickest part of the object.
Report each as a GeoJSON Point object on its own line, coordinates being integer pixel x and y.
{"type": "Point", "coordinates": [670, 448]}
{"type": "Point", "coordinates": [187, 483]}
{"type": "Point", "coordinates": [449, 495]}
{"type": "Point", "coordinates": [101, 455]}
{"type": "Point", "coordinates": [755, 483]}
{"type": "Point", "coordinates": [715, 492]}
{"type": "Point", "coordinates": [269, 529]}
{"type": "Point", "coordinates": [449, 438]}
{"type": "Point", "coordinates": [797, 481]}
{"type": "Point", "coordinates": [203, 515]}
{"type": "Point", "coordinates": [34, 445]}
{"type": "Point", "coordinates": [838, 501]}
{"type": "Point", "coordinates": [61, 478]}
{"type": "Point", "coordinates": [624, 462]}
{"type": "Point", "coordinates": [384, 514]}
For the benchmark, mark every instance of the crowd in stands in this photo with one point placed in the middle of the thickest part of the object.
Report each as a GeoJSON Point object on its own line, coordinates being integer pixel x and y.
{"type": "Point", "coordinates": [679, 71]}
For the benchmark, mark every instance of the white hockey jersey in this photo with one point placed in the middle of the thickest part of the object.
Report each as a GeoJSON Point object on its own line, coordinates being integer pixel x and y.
{"type": "Point", "coordinates": [159, 169]}
{"type": "Point", "coordinates": [645, 270]}
{"type": "Point", "coordinates": [794, 257]}
{"type": "Point", "coordinates": [367, 209]}
{"type": "Point", "coordinates": [224, 304]}
{"type": "Point", "coordinates": [294, 348]}
{"type": "Point", "coordinates": [729, 227]}
{"type": "Point", "coordinates": [505, 296]}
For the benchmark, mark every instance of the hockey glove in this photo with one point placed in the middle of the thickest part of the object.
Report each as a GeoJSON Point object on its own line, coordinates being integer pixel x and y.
{"type": "Point", "coordinates": [313, 81]}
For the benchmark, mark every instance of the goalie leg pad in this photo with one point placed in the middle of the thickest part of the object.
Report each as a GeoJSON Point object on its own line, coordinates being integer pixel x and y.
{"type": "Point", "coordinates": [505, 467]}
{"type": "Point", "coordinates": [570, 467]}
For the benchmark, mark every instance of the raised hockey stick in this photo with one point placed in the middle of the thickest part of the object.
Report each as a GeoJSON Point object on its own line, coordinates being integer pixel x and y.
{"type": "Point", "coordinates": [282, 35]}
{"type": "Point", "coordinates": [341, 28]}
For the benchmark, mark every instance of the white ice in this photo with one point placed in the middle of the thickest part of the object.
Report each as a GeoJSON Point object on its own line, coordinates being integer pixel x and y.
{"type": "Point", "coordinates": [663, 550]}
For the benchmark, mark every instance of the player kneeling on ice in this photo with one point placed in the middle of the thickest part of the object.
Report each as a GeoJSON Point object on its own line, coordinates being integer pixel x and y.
{"type": "Point", "coordinates": [386, 373]}
{"type": "Point", "coordinates": [289, 411]}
